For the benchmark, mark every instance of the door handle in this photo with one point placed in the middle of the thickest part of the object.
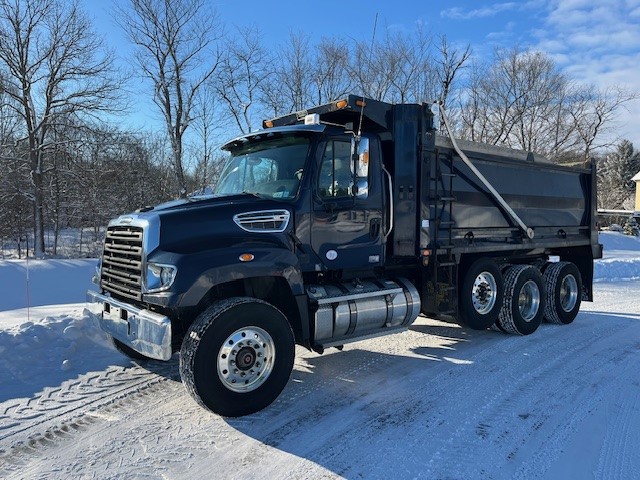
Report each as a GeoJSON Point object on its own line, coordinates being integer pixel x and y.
{"type": "Point", "coordinates": [374, 228]}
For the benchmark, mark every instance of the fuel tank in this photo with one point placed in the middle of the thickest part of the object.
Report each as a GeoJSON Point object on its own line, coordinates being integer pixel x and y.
{"type": "Point", "coordinates": [352, 311]}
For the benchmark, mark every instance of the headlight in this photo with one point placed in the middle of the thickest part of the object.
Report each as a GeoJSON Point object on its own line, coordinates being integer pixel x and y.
{"type": "Point", "coordinates": [159, 277]}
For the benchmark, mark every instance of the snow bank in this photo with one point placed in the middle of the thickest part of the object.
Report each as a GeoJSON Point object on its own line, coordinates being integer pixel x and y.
{"type": "Point", "coordinates": [44, 282]}
{"type": "Point", "coordinates": [50, 350]}
{"type": "Point", "coordinates": [621, 258]}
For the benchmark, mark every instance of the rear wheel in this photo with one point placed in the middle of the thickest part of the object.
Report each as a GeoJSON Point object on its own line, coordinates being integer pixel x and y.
{"type": "Point", "coordinates": [563, 289]}
{"type": "Point", "coordinates": [237, 356]}
{"type": "Point", "coordinates": [523, 305]}
{"type": "Point", "coordinates": [481, 295]}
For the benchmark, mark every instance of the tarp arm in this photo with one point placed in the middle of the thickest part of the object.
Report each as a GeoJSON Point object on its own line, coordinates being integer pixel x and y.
{"type": "Point", "coordinates": [528, 231]}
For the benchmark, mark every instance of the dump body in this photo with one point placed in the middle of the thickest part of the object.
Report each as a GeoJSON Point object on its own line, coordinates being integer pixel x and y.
{"type": "Point", "coordinates": [555, 201]}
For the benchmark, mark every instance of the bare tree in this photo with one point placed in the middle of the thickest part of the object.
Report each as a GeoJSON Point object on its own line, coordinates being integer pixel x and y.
{"type": "Point", "coordinates": [55, 68]}
{"type": "Point", "coordinates": [206, 124]}
{"type": "Point", "coordinates": [593, 112]}
{"type": "Point", "coordinates": [286, 85]}
{"type": "Point", "coordinates": [175, 42]}
{"type": "Point", "coordinates": [450, 62]}
{"type": "Point", "coordinates": [243, 70]}
{"type": "Point", "coordinates": [297, 71]}
{"type": "Point", "coordinates": [330, 70]}
{"type": "Point", "coordinates": [372, 68]}
{"type": "Point", "coordinates": [521, 100]}
{"type": "Point", "coordinates": [405, 58]}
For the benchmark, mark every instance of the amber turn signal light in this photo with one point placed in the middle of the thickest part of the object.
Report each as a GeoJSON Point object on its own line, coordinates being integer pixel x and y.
{"type": "Point", "coordinates": [246, 257]}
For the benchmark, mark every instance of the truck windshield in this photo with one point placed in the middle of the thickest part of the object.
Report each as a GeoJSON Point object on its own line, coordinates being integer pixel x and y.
{"type": "Point", "coordinates": [271, 167]}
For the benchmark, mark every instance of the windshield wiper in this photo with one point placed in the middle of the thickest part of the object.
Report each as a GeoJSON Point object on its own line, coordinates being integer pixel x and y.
{"type": "Point", "coordinates": [255, 194]}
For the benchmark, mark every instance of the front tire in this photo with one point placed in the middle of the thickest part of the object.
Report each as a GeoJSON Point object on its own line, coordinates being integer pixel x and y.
{"type": "Point", "coordinates": [237, 356]}
{"type": "Point", "coordinates": [563, 288]}
{"type": "Point", "coordinates": [523, 305]}
{"type": "Point", "coordinates": [481, 295]}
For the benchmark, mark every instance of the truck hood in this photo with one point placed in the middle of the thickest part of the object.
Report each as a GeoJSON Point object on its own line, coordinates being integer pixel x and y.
{"type": "Point", "coordinates": [210, 223]}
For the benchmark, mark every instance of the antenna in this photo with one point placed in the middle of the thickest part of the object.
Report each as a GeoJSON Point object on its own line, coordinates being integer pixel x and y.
{"type": "Point", "coordinates": [373, 37]}
{"type": "Point", "coordinates": [28, 292]}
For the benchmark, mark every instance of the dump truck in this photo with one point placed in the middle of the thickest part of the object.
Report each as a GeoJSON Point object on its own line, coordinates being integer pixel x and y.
{"type": "Point", "coordinates": [336, 224]}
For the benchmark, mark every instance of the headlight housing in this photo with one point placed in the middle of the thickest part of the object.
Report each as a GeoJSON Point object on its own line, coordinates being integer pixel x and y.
{"type": "Point", "coordinates": [159, 277]}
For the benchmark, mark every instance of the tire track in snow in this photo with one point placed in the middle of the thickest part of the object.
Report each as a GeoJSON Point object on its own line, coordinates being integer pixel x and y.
{"type": "Point", "coordinates": [513, 410]}
{"type": "Point", "coordinates": [621, 442]}
{"type": "Point", "coordinates": [30, 424]}
{"type": "Point", "coordinates": [575, 403]}
{"type": "Point", "coordinates": [451, 434]}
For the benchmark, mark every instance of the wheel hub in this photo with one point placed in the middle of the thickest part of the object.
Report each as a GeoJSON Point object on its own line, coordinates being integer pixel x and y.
{"type": "Point", "coordinates": [245, 359]}
{"type": "Point", "coordinates": [529, 300]}
{"type": "Point", "coordinates": [568, 293]}
{"type": "Point", "coordinates": [484, 292]}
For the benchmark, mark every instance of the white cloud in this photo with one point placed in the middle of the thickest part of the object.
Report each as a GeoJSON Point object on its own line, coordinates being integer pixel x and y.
{"type": "Point", "coordinates": [458, 13]}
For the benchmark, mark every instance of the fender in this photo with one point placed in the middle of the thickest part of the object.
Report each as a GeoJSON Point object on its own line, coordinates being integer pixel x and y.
{"type": "Point", "coordinates": [199, 272]}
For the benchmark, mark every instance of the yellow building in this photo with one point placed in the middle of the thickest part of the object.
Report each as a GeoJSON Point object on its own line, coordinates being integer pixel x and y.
{"type": "Point", "coordinates": [637, 180]}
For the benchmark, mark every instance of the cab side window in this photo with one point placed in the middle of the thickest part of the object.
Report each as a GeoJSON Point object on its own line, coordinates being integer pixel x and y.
{"type": "Point", "coordinates": [336, 176]}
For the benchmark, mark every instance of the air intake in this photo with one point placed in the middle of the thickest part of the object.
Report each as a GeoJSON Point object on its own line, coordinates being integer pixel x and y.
{"type": "Point", "coordinates": [266, 221]}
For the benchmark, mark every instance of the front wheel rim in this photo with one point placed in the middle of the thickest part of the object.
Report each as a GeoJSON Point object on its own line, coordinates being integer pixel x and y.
{"type": "Point", "coordinates": [529, 300]}
{"type": "Point", "coordinates": [568, 293]}
{"type": "Point", "coordinates": [484, 293]}
{"type": "Point", "coordinates": [246, 359]}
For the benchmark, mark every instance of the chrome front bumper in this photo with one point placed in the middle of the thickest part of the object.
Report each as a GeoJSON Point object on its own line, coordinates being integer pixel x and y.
{"type": "Point", "coordinates": [146, 332]}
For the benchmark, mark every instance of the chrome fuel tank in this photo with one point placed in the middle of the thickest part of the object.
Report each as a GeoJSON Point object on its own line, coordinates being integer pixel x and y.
{"type": "Point", "coordinates": [354, 310]}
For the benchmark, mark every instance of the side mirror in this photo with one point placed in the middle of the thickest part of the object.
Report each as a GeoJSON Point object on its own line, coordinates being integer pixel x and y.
{"type": "Point", "coordinates": [361, 159]}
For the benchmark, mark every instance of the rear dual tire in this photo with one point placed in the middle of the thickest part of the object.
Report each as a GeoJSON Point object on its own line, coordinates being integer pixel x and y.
{"type": "Point", "coordinates": [524, 300]}
{"type": "Point", "coordinates": [563, 288]}
{"type": "Point", "coordinates": [517, 299]}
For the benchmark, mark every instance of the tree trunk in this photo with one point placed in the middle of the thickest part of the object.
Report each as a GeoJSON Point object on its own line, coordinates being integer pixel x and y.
{"type": "Point", "coordinates": [38, 212]}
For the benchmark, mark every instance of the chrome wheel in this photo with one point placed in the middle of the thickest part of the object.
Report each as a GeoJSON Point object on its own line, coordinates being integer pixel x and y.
{"type": "Point", "coordinates": [246, 359]}
{"type": "Point", "coordinates": [568, 293]}
{"type": "Point", "coordinates": [484, 293]}
{"type": "Point", "coordinates": [529, 300]}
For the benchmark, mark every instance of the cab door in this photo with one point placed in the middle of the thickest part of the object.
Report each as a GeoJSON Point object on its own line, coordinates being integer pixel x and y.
{"type": "Point", "coordinates": [347, 223]}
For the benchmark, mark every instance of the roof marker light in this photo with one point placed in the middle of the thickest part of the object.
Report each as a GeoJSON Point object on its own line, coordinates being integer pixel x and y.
{"type": "Point", "coordinates": [312, 119]}
{"type": "Point", "coordinates": [340, 104]}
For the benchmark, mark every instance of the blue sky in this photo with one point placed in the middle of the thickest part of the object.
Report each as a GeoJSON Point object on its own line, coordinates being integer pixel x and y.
{"type": "Point", "coordinates": [596, 42]}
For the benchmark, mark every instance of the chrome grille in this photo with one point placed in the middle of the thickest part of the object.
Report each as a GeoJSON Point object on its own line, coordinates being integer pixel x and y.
{"type": "Point", "coordinates": [263, 221]}
{"type": "Point", "coordinates": [122, 261]}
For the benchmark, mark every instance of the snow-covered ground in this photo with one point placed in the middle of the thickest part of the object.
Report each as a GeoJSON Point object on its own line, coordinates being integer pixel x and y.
{"type": "Point", "coordinates": [438, 401]}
